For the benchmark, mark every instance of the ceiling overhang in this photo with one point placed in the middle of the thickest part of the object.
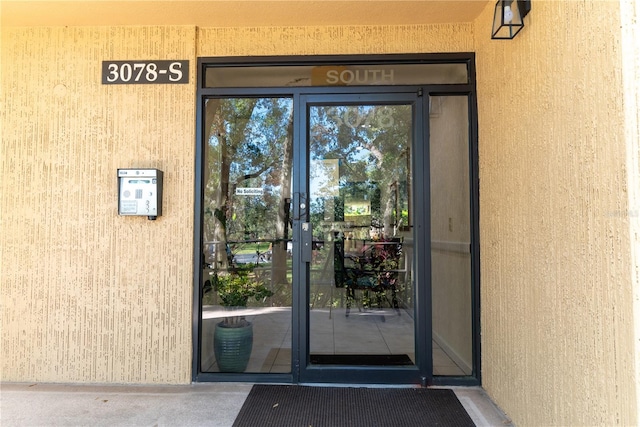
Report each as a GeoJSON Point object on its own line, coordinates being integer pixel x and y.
{"type": "Point", "coordinates": [221, 13]}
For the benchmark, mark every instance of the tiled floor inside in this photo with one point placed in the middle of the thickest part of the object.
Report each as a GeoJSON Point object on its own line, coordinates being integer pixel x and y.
{"type": "Point", "coordinates": [364, 331]}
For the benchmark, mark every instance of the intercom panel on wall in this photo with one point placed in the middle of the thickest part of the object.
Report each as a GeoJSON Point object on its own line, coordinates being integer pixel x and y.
{"type": "Point", "coordinates": [140, 192]}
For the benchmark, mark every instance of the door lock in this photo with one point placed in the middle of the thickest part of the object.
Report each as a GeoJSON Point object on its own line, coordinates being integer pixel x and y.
{"type": "Point", "coordinates": [306, 242]}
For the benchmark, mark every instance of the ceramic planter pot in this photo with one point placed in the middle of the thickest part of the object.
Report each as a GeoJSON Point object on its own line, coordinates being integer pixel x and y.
{"type": "Point", "coordinates": [232, 347]}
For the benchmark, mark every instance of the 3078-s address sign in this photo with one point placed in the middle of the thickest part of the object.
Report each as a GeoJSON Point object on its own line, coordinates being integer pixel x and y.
{"type": "Point", "coordinates": [145, 72]}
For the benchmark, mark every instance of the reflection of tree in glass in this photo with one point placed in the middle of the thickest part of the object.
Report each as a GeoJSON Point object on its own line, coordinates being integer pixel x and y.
{"type": "Point", "coordinates": [372, 143]}
{"type": "Point", "coordinates": [247, 144]}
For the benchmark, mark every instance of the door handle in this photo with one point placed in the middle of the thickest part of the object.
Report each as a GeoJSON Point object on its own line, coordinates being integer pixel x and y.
{"type": "Point", "coordinates": [306, 241]}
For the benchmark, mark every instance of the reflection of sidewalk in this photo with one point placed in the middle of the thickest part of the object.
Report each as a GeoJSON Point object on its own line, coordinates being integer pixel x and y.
{"type": "Point", "coordinates": [218, 312]}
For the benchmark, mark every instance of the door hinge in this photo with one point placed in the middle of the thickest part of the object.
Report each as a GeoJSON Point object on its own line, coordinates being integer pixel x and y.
{"type": "Point", "coordinates": [420, 92]}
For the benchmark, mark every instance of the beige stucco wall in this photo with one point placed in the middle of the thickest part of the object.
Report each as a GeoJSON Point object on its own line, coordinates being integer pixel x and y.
{"type": "Point", "coordinates": [557, 294]}
{"type": "Point", "coordinates": [335, 40]}
{"type": "Point", "coordinates": [630, 20]}
{"type": "Point", "coordinates": [88, 296]}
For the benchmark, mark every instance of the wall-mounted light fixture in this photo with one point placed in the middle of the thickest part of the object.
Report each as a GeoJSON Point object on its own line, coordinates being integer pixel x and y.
{"type": "Point", "coordinates": [508, 18]}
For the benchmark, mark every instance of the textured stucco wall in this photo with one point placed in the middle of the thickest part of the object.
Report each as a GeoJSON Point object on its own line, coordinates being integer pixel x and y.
{"type": "Point", "coordinates": [557, 294]}
{"type": "Point", "coordinates": [630, 20]}
{"type": "Point", "coordinates": [88, 296]}
{"type": "Point", "coordinates": [335, 40]}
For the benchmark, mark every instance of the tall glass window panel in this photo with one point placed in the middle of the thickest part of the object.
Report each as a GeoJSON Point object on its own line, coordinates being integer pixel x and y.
{"type": "Point", "coordinates": [450, 236]}
{"type": "Point", "coordinates": [246, 290]}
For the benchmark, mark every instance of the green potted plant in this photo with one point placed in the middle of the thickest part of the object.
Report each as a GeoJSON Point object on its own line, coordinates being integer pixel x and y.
{"type": "Point", "coordinates": [233, 336]}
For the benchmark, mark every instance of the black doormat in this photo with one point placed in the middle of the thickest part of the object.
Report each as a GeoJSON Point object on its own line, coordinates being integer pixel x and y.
{"type": "Point", "coordinates": [361, 359]}
{"type": "Point", "coordinates": [302, 406]}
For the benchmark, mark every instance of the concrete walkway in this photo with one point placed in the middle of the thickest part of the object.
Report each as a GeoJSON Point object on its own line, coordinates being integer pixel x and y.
{"type": "Point", "coordinates": [216, 404]}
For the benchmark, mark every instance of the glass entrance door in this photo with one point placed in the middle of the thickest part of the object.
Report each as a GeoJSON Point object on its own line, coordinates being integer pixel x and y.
{"type": "Point", "coordinates": [361, 296]}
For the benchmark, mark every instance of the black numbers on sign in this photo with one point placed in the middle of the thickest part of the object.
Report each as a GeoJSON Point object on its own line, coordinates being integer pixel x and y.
{"type": "Point", "coordinates": [141, 72]}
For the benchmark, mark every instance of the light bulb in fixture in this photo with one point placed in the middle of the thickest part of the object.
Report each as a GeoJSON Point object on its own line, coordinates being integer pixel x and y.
{"type": "Point", "coordinates": [508, 14]}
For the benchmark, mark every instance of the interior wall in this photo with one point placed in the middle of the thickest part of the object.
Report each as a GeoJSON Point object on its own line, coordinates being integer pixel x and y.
{"type": "Point", "coordinates": [451, 228]}
{"type": "Point", "coordinates": [88, 296]}
{"type": "Point", "coordinates": [557, 295]}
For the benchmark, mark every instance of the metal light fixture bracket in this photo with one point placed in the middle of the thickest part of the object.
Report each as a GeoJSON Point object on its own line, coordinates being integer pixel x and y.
{"type": "Point", "coordinates": [508, 18]}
